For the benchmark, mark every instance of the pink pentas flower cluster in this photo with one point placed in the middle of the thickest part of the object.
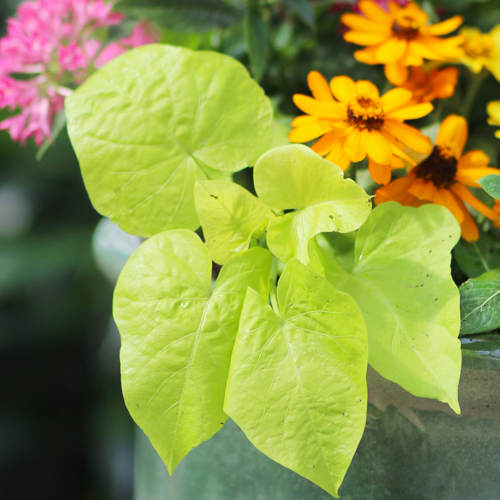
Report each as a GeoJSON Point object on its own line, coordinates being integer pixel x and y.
{"type": "Point", "coordinates": [51, 46]}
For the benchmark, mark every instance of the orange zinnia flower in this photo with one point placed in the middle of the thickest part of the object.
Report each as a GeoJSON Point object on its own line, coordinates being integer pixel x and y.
{"type": "Point", "coordinates": [359, 123]}
{"type": "Point", "coordinates": [442, 178]}
{"type": "Point", "coordinates": [400, 38]}
{"type": "Point", "coordinates": [437, 84]}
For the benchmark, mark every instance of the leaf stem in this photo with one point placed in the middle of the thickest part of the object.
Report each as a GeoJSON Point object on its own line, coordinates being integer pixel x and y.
{"type": "Point", "coordinates": [272, 286]}
{"type": "Point", "coordinates": [474, 83]}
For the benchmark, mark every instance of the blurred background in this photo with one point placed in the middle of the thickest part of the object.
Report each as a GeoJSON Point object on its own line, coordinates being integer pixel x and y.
{"type": "Point", "coordinates": [64, 430]}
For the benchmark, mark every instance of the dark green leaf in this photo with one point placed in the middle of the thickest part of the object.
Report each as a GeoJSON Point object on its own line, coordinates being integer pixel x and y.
{"type": "Point", "coordinates": [257, 41]}
{"type": "Point", "coordinates": [480, 303]}
{"type": "Point", "coordinates": [303, 8]}
{"type": "Point", "coordinates": [491, 184]}
{"type": "Point", "coordinates": [479, 256]}
{"type": "Point", "coordinates": [185, 15]}
{"type": "Point", "coordinates": [458, 4]}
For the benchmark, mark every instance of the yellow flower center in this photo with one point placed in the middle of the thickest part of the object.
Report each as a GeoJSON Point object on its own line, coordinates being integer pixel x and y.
{"type": "Point", "coordinates": [440, 168]}
{"type": "Point", "coordinates": [365, 113]}
{"type": "Point", "coordinates": [479, 45]}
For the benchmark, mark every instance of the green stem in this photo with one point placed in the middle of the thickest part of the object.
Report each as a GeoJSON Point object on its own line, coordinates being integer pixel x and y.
{"type": "Point", "coordinates": [351, 171]}
{"type": "Point", "coordinates": [475, 81]}
{"type": "Point", "coordinates": [272, 286]}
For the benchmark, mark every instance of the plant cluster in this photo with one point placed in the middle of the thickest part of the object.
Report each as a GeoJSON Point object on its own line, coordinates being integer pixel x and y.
{"type": "Point", "coordinates": [310, 283]}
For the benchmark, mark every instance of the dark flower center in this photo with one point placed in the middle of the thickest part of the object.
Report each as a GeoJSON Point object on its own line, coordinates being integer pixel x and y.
{"type": "Point", "coordinates": [365, 113]}
{"type": "Point", "coordinates": [438, 168]}
{"type": "Point", "coordinates": [406, 28]}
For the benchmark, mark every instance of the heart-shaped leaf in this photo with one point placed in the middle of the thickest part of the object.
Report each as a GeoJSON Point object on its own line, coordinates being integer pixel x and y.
{"type": "Point", "coordinates": [295, 177]}
{"type": "Point", "coordinates": [177, 336]}
{"type": "Point", "coordinates": [230, 217]}
{"type": "Point", "coordinates": [297, 382]}
{"type": "Point", "coordinates": [152, 121]}
{"type": "Point", "coordinates": [401, 281]}
{"type": "Point", "coordinates": [480, 303]}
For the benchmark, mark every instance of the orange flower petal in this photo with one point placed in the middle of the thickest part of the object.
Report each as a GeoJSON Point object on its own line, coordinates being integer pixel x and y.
{"type": "Point", "coordinates": [395, 98]}
{"type": "Point", "coordinates": [324, 145]}
{"type": "Point", "coordinates": [360, 23]}
{"type": "Point", "coordinates": [367, 89]}
{"type": "Point", "coordinates": [354, 147]}
{"type": "Point", "coordinates": [395, 191]}
{"type": "Point", "coordinates": [470, 176]}
{"type": "Point", "coordinates": [395, 73]}
{"type": "Point", "coordinates": [445, 27]}
{"type": "Point", "coordinates": [444, 48]}
{"type": "Point", "coordinates": [470, 199]}
{"type": "Point", "coordinates": [470, 232]}
{"type": "Point", "coordinates": [409, 136]}
{"type": "Point", "coordinates": [338, 157]}
{"type": "Point", "coordinates": [411, 112]}
{"type": "Point", "coordinates": [423, 50]}
{"type": "Point", "coordinates": [423, 190]}
{"type": "Point", "coordinates": [444, 198]}
{"type": "Point", "coordinates": [397, 162]}
{"type": "Point", "coordinates": [372, 11]}
{"type": "Point", "coordinates": [343, 88]}
{"type": "Point", "coordinates": [377, 150]}
{"type": "Point", "coordinates": [301, 120]}
{"type": "Point", "coordinates": [367, 55]}
{"type": "Point", "coordinates": [396, 150]}
{"type": "Point", "coordinates": [363, 38]}
{"type": "Point", "coordinates": [319, 87]}
{"type": "Point", "coordinates": [474, 159]}
{"type": "Point", "coordinates": [452, 134]}
{"type": "Point", "coordinates": [391, 51]}
{"type": "Point", "coordinates": [411, 58]}
{"type": "Point", "coordinates": [318, 108]}
{"type": "Point", "coordinates": [308, 132]}
{"type": "Point", "coordinates": [381, 174]}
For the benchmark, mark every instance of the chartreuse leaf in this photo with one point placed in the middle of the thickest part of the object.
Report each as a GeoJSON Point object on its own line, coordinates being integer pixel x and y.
{"type": "Point", "coordinates": [230, 217]}
{"type": "Point", "coordinates": [295, 177]}
{"type": "Point", "coordinates": [480, 303]}
{"type": "Point", "coordinates": [491, 184]}
{"type": "Point", "coordinates": [152, 121]}
{"type": "Point", "coordinates": [177, 336]}
{"type": "Point", "coordinates": [297, 382]}
{"type": "Point", "coordinates": [401, 281]}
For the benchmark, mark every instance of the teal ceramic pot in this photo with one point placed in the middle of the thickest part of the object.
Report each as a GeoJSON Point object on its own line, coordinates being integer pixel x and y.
{"type": "Point", "coordinates": [412, 449]}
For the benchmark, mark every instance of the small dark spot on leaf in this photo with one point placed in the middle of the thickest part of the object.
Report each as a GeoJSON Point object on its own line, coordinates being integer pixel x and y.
{"type": "Point", "coordinates": [222, 423]}
{"type": "Point", "coordinates": [290, 305]}
{"type": "Point", "coordinates": [330, 216]}
{"type": "Point", "coordinates": [435, 300]}
{"type": "Point", "coordinates": [430, 251]}
{"type": "Point", "coordinates": [213, 196]}
{"type": "Point", "coordinates": [314, 466]}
